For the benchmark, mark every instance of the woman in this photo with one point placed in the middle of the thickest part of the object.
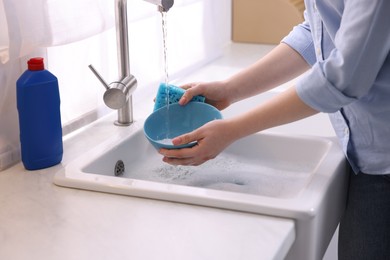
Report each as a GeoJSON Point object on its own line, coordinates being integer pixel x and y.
{"type": "Point", "coordinates": [343, 46]}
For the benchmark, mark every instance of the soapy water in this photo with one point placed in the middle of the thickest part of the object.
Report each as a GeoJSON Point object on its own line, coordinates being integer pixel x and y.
{"type": "Point", "coordinates": [167, 141]}
{"type": "Point", "coordinates": [228, 174]}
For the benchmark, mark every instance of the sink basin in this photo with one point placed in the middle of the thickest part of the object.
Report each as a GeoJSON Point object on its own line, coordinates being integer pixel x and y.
{"type": "Point", "coordinates": [298, 177]}
{"type": "Point", "coordinates": [263, 165]}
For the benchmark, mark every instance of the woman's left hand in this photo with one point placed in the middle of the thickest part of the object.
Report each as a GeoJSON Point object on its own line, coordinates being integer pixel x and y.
{"type": "Point", "coordinates": [212, 138]}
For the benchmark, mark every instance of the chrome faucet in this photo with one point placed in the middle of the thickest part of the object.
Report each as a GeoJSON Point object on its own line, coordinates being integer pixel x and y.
{"type": "Point", "coordinates": [118, 94]}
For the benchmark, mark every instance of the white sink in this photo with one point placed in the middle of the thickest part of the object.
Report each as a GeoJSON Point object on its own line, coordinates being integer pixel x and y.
{"type": "Point", "coordinates": [270, 166]}
{"type": "Point", "coordinates": [298, 177]}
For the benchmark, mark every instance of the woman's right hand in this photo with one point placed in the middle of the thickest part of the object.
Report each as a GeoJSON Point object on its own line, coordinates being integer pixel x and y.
{"type": "Point", "coordinates": [214, 92]}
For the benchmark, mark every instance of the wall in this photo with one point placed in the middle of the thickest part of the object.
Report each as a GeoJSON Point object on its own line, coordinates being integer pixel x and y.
{"type": "Point", "coordinates": [265, 21]}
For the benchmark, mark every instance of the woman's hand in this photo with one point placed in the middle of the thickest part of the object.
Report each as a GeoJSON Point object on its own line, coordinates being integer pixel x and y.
{"type": "Point", "coordinates": [214, 92]}
{"type": "Point", "coordinates": [212, 139]}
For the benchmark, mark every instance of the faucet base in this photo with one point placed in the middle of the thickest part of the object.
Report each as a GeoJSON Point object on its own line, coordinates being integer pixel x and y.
{"type": "Point", "coordinates": [117, 123]}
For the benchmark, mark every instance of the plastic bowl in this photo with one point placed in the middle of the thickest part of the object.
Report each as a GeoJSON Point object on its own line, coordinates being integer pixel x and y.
{"type": "Point", "coordinates": [169, 122]}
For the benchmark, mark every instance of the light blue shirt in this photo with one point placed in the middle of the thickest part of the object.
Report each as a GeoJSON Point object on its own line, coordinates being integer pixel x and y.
{"type": "Point", "coordinates": [347, 43]}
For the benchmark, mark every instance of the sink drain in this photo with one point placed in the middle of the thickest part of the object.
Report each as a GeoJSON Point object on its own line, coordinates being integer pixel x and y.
{"type": "Point", "coordinates": [240, 183]}
{"type": "Point", "coordinates": [119, 168]}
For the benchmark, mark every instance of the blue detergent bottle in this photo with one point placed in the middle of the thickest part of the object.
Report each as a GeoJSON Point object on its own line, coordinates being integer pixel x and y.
{"type": "Point", "coordinates": [38, 103]}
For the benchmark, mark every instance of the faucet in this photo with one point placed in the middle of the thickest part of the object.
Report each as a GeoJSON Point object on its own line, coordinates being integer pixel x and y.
{"type": "Point", "coordinates": [118, 94]}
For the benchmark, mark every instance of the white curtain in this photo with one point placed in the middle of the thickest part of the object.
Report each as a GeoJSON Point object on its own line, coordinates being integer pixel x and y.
{"type": "Point", "coordinates": [43, 23]}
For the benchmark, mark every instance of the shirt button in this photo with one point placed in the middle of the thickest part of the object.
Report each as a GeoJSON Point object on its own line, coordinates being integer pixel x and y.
{"type": "Point", "coordinates": [346, 131]}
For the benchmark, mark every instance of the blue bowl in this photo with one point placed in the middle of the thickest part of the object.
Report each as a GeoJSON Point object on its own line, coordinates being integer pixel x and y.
{"type": "Point", "coordinates": [169, 122]}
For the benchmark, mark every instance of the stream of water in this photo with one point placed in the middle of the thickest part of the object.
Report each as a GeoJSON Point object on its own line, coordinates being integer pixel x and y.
{"type": "Point", "coordinates": [165, 48]}
{"type": "Point", "coordinates": [165, 64]}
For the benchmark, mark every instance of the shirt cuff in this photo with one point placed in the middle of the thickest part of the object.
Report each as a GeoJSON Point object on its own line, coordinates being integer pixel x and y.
{"type": "Point", "coordinates": [300, 39]}
{"type": "Point", "coordinates": [317, 92]}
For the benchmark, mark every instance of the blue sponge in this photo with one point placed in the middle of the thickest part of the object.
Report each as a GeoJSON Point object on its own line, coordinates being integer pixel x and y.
{"type": "Point", "coordinates": [175, 93]}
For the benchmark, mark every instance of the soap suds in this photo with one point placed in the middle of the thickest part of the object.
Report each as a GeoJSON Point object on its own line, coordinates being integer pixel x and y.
{"type": "Point", "coordinates": [167, 141]}
{"type": "Point", "coordinates": [229, 174]}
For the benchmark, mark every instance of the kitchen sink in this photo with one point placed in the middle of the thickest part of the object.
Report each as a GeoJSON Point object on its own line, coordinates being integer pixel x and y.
{"type": "Point", "coordinates": [262, 173]}
{"type": "Point", "coordinates": [290, 176]}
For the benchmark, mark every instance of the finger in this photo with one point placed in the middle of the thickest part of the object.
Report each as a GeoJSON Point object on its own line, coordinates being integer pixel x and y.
{"type": "Point", "coordinates": [176, 153]}
{"type": "Point", "coordinates": [188, 85]}
{"type": "Point", "coordinates": [191, 91]}
{"type": "Point", "coordinates": [187, 96]}
{"type": "Point", "coordinates": [176, 161]}
{"type": "Point", "coordinates": [185, 139]}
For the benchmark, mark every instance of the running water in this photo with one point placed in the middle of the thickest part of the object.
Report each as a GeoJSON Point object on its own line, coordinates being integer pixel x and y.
{"type": "Point", "coordinates": [165, 46]}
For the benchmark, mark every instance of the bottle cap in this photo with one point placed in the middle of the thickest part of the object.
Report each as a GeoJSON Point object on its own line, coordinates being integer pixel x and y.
{"type": "Point", "coordinates": [36, 64]}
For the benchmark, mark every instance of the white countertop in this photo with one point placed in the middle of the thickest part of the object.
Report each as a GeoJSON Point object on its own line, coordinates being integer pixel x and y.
{"type": "Point", "coordinates": [39, 220]}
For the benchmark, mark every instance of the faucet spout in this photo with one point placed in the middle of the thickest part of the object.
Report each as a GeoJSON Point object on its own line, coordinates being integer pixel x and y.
{"type": "Point", "coordinates": [163, 5]}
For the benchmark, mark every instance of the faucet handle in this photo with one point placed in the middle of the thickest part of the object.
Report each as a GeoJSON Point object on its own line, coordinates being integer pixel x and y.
{"type": "Point", "coordinates": [117, 95]}
{"type": "Point", "coordinates": [100, 78]}
{"type": "Point", "coordinates": [114, 97]}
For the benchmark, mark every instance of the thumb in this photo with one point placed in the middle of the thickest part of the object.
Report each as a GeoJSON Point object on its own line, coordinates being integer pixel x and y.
{"type": "Point", "coordinates": [185, 139]}
{"type": "Point", "coordinates": [191, 91]}
{"type": "Point", "coordinates": [187, 96]}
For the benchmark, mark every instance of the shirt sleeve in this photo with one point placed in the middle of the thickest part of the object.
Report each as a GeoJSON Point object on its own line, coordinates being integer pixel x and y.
{"type": "Point", "coordinates": [361, 46]}
{"type": "Point", "coordinates": [300, 39]}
